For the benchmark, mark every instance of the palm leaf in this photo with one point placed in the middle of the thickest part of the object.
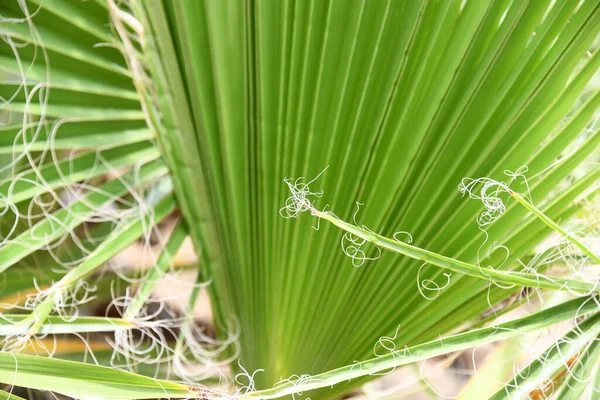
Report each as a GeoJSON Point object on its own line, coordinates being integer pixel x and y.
{"type": "Point", "coordinates": [84, 381]}
{"type": "Point", "coordinates": [578, 376]}
{"type": "Point", "coordinates": [401, 100]}
{"type": "Point", "coordinates": [544, 369]}
{"type": "Point", "coordinates": [9, 396]}
{"type": "Point", "coordinates": [400, 114]}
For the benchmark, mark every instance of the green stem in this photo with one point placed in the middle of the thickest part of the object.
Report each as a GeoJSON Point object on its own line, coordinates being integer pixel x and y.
{"type": "Point", "coordinates": [554, 226]}
{"type": "Point", "coordinates": [408, 355]}
{"type": "Point", "coordinates": [157, 271]}
{"type": "Point", "coordinates": [10, 325]}
{"type": "Point", "coordinates": [120, 239]}
{"type": "Point", "coordinates": [537, 375]}
{"type": "Point", "coordinates": [487, 273]}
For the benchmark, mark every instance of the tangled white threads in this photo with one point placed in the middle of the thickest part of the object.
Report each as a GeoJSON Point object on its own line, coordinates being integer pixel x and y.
{"type": "Point", "coordinates": [352, 245]}
{"type": "Point", "coordinates": [552, 255]}
{"type": "Point", "coordinates": [8, 209]}
{"type": "Point", "coordinates": [34, 148]}
{"type": "Point", "coordinates": [409, 238]}
{"type": "Point", "coordinates": [174, 345]}
{"type": "Point", "coordinates": [147, 344]}
{"type": "Point", "coordinates": [45, 197]}
{"type": "Point", "coordinates": [429, 288]}
{"type": "Point", "coordinates": [299, 201]}
{"type": "Point", "coordinates": [576, 370]}
{"type": "Point", "coordinates": [546, 384]}
{"type": "Point", "coordinates": [66, 301]}
{"type": "Point", "coordinates": [562, 256]}
{"type": "Point", "coordinates": [298, 381]}
{"type": "Point", "coordinates": [249, 384]}
{"type": "Point", "coordinates": [199, 356]}
{"type": "Point", "coordinates": [386, 346]}
{"type": "Point", "coordinates": [425, 286]}
{"type": "Point", "coordinates": [37, 343]}
{"type": "Point", "coordinates": [493, 194]}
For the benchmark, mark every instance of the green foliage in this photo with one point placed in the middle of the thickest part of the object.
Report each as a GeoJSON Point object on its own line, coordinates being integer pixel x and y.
{"type": "Point", "coordinates": [84, 381]}
{"type": "Point", "coordinates": [219, 102]}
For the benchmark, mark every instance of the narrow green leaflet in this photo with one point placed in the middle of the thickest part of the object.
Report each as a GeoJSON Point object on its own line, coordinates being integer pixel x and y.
{"type": "Point", "coordinates": [579, 374]}
{"type": "Point", "coordinates": [461, 341]}
{"type": "Point", "coordinates": [85, 381]}
{"type": "Point", "coordinates": [555, 227]}
{"type": "Point", "coordinates": [595, 395]}
{"type": "Point", "coordinates": [12, 325]}
{"type": "Point", "coordinates": [67, 218]}
{"type": "Point", "coordinates": [9, 396]}
{"type": "Point", "coordinates": [65, 79]}
{"type": "Point", "coordinates": [120, 238]}
{"type": "Point", "coordinates": [70, 12]}
{"type": "Point", "coordinates": [487, 273]}
{"type": "Point", "coordinates": [544, 369]}
{"type": "Point", "coordinates": [64, 44]}
{"type": "Point", "coordinates": [71, 136]}
{"type": "Point", "coordinates": [162, 266]}
{"type": "Point", "coordinates": [81, 167]}
{"type": "Point", "coordinates": [69, 111]}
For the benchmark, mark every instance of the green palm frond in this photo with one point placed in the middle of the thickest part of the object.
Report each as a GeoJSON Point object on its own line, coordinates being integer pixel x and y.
{"type": "Point", "coordinates": [580, 342]}
{"type": "Point", "coordinates": [447, 139]}
{"type": "Point", "coordinates": [400, 114]}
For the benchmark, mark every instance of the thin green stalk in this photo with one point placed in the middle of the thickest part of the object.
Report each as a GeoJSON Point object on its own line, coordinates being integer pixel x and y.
{"type": "Point", "coordinates": [408, 355]}
{"type": "Point", "coordinates": [487, 273]}
{"type": "Point", "coordinates": [9, 396]}
{"type": "Point", "coordinates": [547, 367]}
{"type": "Point", "coordinates": [87, 381]}
{"type": "Point", "coordinates": [121, 238]}
{"type": "Point", "coordinates": [595, 395]}
{"type": "Point", "coordinates": [52, 176]}
{"type": "Point", "coordinates": [64, 220]}
{"type": "Point", "coordinates": [158, 271]}
{"type": "Point", "coordinates": [580, 375]}
{"type": "Point", "coordinates": [189, 316]}
{"type": "Point", "coordinates": [11, 325]}
{"type": "Point", "coordinates": [554, 226]}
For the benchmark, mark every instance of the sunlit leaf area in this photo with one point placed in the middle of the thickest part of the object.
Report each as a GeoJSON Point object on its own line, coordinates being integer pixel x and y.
{"type": "Point", "coordinates": [300, 199]}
